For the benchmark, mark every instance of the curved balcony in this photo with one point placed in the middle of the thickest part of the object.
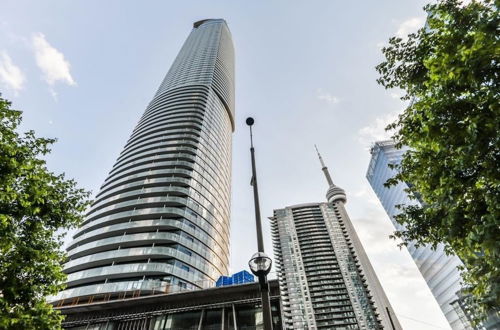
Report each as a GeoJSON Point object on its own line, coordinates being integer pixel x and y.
{"type": "Point", "coordinates": [174, 106]}
{"type": "Point", "coordinates": [129, 227]}
{"type": "Point", "coordinates": [111, 288]}
{"type": "Point", "coordinates": [123, 216]}
{"type": "Point", "coordinates": [142, 253]}
{"type": "Point", "coordinates": [155, 108]}
{"type": "Point", "coordinates": [148, 174]}
{"type": "Point", "coordinates": [132, 240]}
{"type": "Point", "coordinates": [202, 205]}
{"type": "Point", "coordinates": [198, 91]}
{"type": "Point", "coordinates": [176, 120]}
{"type": "Point", "coordinates": [149, 167]}
{"type": "Point", "coordinates": [131, 270]}
{"type": "Point", "coordinates": [170, 101]}
{"type": "Point", "coordinates": [141, 226]}
{"type": "Point", "coordinates": [159, 140]}
{"type": "Point", "coordinates": [213, 229]}
{"type": "Point", "coordinates": [174, 113]}
{"type": "Point", "coordinates": [171, 135]}
{"type": "Point", "coordinates": [149, 155]}
{"type": "Point", "coordinates": [162, 128]}
{"type": "Point", "coordinates": [140, 184]}
{"type": "Point", "coordinates": [147, 202]}
{"type": "Point", "coordinates": [143, 192]}
{"type": "Point", "coordinates": [162, 151]}
{"type": "Point", "coordinates": [152, 150]}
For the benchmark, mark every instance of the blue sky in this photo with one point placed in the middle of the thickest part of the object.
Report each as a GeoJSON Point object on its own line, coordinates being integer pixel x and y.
{"type": "Point", "coordinates": [84, 71]}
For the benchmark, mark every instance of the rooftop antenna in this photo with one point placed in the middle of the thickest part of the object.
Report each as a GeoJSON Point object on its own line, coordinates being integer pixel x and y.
{"type": "Point", "coordinates": [324, 168]}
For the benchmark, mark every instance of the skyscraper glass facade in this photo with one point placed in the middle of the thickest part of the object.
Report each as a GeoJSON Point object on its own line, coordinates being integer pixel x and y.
{"type": "Point", "coordinates": [438, 269]}
{"type": "Point", "coordinates": [161, 219]}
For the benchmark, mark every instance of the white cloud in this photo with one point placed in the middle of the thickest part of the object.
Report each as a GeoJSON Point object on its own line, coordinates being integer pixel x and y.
{"type": "Point", "coordinates": [10, 74]}
{"type": "Point", "coordinates": [52, 62]}
{"type": "Point", "coordinates": [409, 26]}
{"type": "Point", "coordinates": [367, 194]}
{"type": "Point", "coordinates": [403, 276]}
{"type": "Point", "coordinates": [378, 241]}
{"type": "Point", "coordinates": [327, 97]}
{"type": "Point", "coordinates": [372, 225]}
{"type": "Point", "coordinates": [375, 131]}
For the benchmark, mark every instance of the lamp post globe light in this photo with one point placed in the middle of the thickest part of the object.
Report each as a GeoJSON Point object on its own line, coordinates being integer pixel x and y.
{"type": "Point", "coordinates": [260, 264]}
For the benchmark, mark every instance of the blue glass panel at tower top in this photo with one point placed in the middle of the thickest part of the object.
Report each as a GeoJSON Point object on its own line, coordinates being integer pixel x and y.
{"type": "Point", "coordinates": [161, 218]}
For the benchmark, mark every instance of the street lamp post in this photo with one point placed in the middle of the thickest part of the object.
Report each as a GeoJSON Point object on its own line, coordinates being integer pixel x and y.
{"type": "Point", "coordinates": [260, 263]}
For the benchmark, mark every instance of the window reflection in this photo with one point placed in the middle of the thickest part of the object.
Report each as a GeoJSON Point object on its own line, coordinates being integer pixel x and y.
{"type": "Point", "coordinates": [212, 320]}
{"type": "Point", "coordinates": [184, 321]}
{"type": "Point", "coordinates": [248, 317]}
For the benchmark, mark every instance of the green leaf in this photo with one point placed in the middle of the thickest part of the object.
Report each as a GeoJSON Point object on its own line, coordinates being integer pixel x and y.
{"type": "Point", "coordinates": [34, 204]}
{"type": "Point", "coordinates": [450, 70]}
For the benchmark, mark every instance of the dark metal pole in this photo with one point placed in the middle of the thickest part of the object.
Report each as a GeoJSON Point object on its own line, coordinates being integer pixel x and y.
{"type": "Point", "coordinates": [390, 318]}
{"type": "Point", "coordinates": [260, 240]}
{"type": "Point", "coordinates": [264, 287]}
{"type": "Point", "coordinates": [266, 308]}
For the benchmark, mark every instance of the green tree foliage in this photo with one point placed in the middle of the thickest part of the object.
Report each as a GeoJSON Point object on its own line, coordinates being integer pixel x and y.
{"type": "Point", "coordinates": [449, 71]}
{"type": "Point", "coordinates": [34, 204]}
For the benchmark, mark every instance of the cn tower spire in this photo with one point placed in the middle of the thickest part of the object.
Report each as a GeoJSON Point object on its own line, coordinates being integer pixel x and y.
{"type": "Point", "coordinates": [324, 168]}
{"type": "Point", "coordinates": [334, 193]}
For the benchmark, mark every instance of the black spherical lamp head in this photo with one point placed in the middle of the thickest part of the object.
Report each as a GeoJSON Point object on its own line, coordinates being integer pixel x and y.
{"type": "Point", "coordinates": [260, 264]}
{"type": "Point", "coordinates": [250, 121]}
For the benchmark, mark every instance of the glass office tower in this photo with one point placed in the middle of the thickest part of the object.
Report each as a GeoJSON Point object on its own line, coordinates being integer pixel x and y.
{"type": "Point", "coordinates": [326, 279]}
{"type": "Point", "coordinates": [438, 269]}
{"type": "Point", "coordinates": [161, 218]}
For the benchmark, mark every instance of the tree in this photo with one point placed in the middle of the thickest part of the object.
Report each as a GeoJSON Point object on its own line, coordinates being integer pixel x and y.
{"type": "Point", "coordinates": [449, 71]}
{"type": "Point", "coordinates": [34, 204]}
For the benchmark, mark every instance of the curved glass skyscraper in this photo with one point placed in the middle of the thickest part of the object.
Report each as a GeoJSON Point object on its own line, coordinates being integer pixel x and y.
{"type": "Point", "coordinates": [161, 219]}
{"type": "Point", "coordinates": [439, 269]}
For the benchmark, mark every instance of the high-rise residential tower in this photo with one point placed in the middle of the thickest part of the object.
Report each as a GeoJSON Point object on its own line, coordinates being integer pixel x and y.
{"type": "Point", "coordinates": [161, 218]}
{"type": "Point", "coordinates": [326, 279]}
{"type": "Point", "coordinates": [438, 269]}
